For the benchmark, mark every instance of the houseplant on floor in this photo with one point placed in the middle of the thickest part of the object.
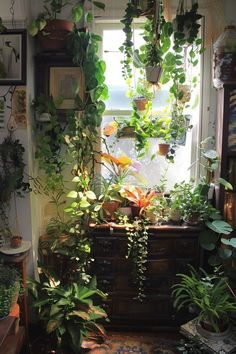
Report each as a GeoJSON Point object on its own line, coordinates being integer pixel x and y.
{"type": "Point", "coordinates": [209, 295]}
{"type": "Point", "coordinates": [9, 289]}
{"type": "Point", "coordinates": [68, 312]}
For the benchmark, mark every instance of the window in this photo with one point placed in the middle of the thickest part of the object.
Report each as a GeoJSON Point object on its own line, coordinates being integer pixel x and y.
{"type": "Point", "coordinates": [119, 105]}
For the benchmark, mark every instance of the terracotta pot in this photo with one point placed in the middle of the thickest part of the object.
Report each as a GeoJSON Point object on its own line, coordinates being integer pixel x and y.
{"type": "Point", "coordinates": [16, 241]}
{"type": "Point", "coordinates": [153, 74]}
{"type": "Point", "coordinates": [54, 36]}
{"type": "Point", "coordinates": [141, 103]}
{"type": "Point", "coordinates": [163, 149]}
{"type": "Point", "coordinates": [109, 208]}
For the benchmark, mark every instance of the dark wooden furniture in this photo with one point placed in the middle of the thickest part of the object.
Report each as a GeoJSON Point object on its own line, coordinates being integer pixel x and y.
{"type": "Point", "coordinates": [226, 148]}
{"type": "Point", "coordinates": [170, 249]}
{"type": "Point", "coordinates": [21, 262]}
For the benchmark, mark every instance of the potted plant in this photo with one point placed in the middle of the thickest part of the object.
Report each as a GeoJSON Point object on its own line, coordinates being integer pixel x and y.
{"type": "Point", "coordinates": [143, 94]}
{"type": "Point", "coordinates": [139, 199]}
{"type": "Point", "coordinates": [68, 312]}
{"type": "Point", "coordinates": [110, 198]}
{"type": "Point", "coordinates": [192, 201]}
{"type": "Point", "coordinates": [209, 295]}
{"type": "Point", "coordinates": [12, 178]}
{"type": "Point", "coordinates": [52, 31]}
{"type": "Point", "coordinates": [9, 289]}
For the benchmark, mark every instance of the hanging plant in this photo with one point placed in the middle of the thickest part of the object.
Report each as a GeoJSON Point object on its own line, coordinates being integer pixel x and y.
{"type": "Point", "coordinates": [137, 251]}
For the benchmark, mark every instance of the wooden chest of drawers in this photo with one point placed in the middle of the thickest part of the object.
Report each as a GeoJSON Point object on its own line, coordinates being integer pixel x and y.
{"type": "Point", "coordinates": [170, 249]}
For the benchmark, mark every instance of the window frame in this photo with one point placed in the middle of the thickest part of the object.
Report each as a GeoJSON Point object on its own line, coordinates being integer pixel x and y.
{"type": "Point", "coordinates": [201, 130]}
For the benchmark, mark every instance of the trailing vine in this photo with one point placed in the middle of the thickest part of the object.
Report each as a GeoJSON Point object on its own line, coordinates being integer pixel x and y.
{"type": "Point", "coordinates": [138, 252]}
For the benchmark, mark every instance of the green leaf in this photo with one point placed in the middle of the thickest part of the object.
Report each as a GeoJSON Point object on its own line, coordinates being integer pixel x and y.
{"type": "Point", "coordinates": [225, 183]}
{"type": "Point", "coordinates": [229, 242]}
{"type": "Point", "coordinates": [88, 17]}
{"type": "Point", "coordinates": [225, 253]}
{"type": "Point", "coordinates": [90, 195]}
{"type": "Point", "coordinates": [72, 194]}
{"type": "Point", "coordinates": [220, 227]}
{"type": "Point", "coordinates": [76, 179]}
{"type": "Point", "coordinates": [77, 12]}
{"type": "Point", "coordinates": [208, 240]}
{"type": "Point", "coordinates": [99, 4]}
{"type": "Point", "coordinates": [84, 203]}
{"type": "Point", "coordinates": [210, 154]}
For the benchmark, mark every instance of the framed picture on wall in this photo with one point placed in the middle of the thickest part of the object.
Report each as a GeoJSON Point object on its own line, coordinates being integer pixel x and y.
{"type": "Point", "coordinates": [13, 57]}
{"type": "Point", "coordinates": [66, 82]}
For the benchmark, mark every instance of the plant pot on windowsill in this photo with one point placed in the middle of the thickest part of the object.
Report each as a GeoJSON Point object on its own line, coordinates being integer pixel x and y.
{"type": "Point", "coordinates": [153, 74]}
{"type": "Point", "coordinates": [16, 241]}
{"type": "Point", "coordinates": [193, 219]}
{"type": "Point", "coordinates": [54, 36]}
{"type": "Point", "coordinates": [109, 208]}
{"type": "Point", "coordinates": [135, 210]}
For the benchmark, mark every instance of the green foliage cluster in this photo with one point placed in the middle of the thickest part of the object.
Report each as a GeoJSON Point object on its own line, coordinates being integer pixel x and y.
{"type": "Point", "coordinates": [12, 178]}
{"type": "Point", "coordinates": [9, 288]}
{"type": "Point", "coordinates": [138, 251]}
{"type": "Point", "coordinates": [68, 311]}
{"type": "Point", "coordinates": [209, 293]}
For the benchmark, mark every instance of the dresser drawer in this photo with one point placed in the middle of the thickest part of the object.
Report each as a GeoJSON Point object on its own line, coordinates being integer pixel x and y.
{"type": "Point", "coordinates": [150, 308]}
{"type": "Point", "coordinates": [105, 283]}
{"type": "Point", "coordinates": [185, 247]}
{"type": "Point", "coordinates": [153, 285]}
{"type": "Point", "coordinates": [160, 248]}
{"type": "Point", "coordinates": [104, 266]}
{"type": "Point", "coordinates": [157, 267]}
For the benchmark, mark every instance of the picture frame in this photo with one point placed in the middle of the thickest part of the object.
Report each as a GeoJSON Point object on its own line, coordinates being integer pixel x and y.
{"type": "Point", "coordinates": [13, 57]}
{"type": "Point", "coordinates": [65, 82]}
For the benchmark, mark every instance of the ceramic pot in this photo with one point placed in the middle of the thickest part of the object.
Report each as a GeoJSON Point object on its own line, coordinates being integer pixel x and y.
{"type": "Point", "coordinates": [16, 241]}
{"type": "Point", "coordinates": [153, 74]}
{"type": "Point", "coordinates": [175, 215]}
{"type": "Point", "coordinates": [54, 36]}
{"type": "Point", "coordinates": [163, 149]}
{"type": "Point", "coordinates": [141, 103]}
{"type": "Point", "coordinates": [109, 208]}
{"type": "Point", "coordinates": [125, 211]}
{"type": "Point", "coordinates": [193, 220]}
{"type": "Point", "coordinates": [204, 329]}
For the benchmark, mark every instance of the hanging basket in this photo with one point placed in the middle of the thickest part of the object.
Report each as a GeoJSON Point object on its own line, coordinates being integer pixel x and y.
{"type": "Point", "coordinates": [153, 74]}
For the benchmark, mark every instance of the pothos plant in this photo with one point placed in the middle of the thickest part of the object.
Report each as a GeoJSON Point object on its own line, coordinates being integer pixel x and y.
{"type": "Point", "coordinates": [138, 252]}
{"type": "Point", "coordinates": [187, 45]}
{"type": "Point", "coordinates": [79, 136]}
{"type": "Point", "coordinates": [13, 179]}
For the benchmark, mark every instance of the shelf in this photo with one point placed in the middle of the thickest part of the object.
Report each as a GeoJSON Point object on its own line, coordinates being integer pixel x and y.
{"type": "Point", "coordinates": [13, 343]}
